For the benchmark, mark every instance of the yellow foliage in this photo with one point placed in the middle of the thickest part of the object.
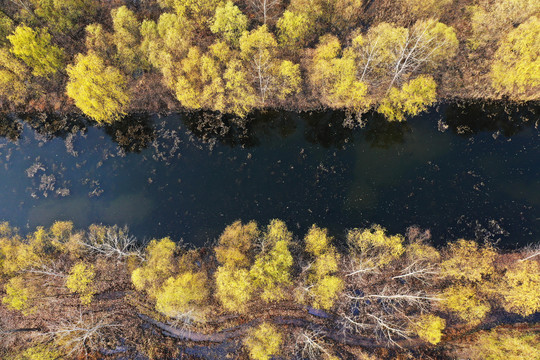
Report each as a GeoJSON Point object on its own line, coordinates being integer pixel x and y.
{"type": "Point", "coordinates": [429, 328]}
{"type": "Point", "coordinates": [325, 291]}
{"type": "Point", "coordinates": [39, 352]}
{"type": "Point", "coordinates": [425, 8]}
{"type": "Point", "coordinates": [520, 288]}
{"type": "Point", "coordinates": [467, 261]}
{"type": "Point", "coordinates": [289, 79]}
{"type": "Point", "coordinates": [490, 20]}
{"type": "Point", "coordinates": [17, 255]}
{"type": "Point", "coordinates": [100, 91]}
{"type": "Point", "coordinates": [413, 98]}
{"type": "Point", "coordinates": [271, 271]}
{"type": "Point", "coordinates": [293, 29]}
{"type": "Point", "coordinates": [157, 268]}
{"type": "Point", "coordinates": [64, 15]}
{"type": "Point", "coordinates": [516, 66]}
{"type": "Point", "coordinates": [81, 281]}
{"type": "Point", "coordinates": [501, 344]}
{"type": "Point", "coordinates": [277, 231]}
{"type": "Point", "coordinates": [62, 230]}
{"type": "Point", "coordinates": [13, 77]}
{"type": "Point", "coordinates": [465, 301]}
{"type": "Point", "coordinates": [378, 247]}
{"type": "Point", "coordinates": [35, 49]}
{"type": "Point", "coordinates": [240, 93]}
{"type": "Point", "coordinates": [183, 295]}
{"type": "Point", "coordinates": [229, 22]}
{"type": "Point", "coordinates": [264, 342]}
{"type": "Point", "coordinates": [126, 38]}
{"type": "Point", "coordinates": [236, 242]}
{"type": "Point", "coordinates": [317, 240]}
{"type": "Point", "coordinates": [233, 288]}
{"type": "Point", "coordinates": [19, 296]}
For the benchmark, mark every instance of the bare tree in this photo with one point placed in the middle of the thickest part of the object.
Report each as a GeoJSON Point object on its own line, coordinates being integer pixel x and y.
{"type": "Point", "coordinates": [265, 8]}
{"type": "Point", "coordinates": [116, 243]}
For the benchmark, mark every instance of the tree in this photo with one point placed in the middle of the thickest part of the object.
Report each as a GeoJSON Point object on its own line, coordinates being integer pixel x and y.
{"type": "Point", "coordinates": [199, 11]}
{"type": "Point", "coordinates": [35, 49]}
{"type": "Point", "coordinates": [229, 22]}
{"type": "Point", "coordinates": [329, 15]}
{"type": "Point", "coordinates": [520, 287]}
{"type": "Point", "coordinates": [429, 327]}
{"type": "Point", "coordinates": [64, 15]}
{"type": "Point", "coordinates": [265, 10]}
{"type": "Point", "coordinates": [157, 268]}
{"type": "Point", "coordinates": [322, 285]}
{"type": "Point", "coordinates": [336, 77]}
{"type": "Point", "coordinates": [6, 28]}
{"type": "Point", "coordinates": [491, 20]}
{"type": "Point", "coordinates": [271, 271]}
{"type": "Point", "coordinates": [14, 76]}
{"type": "Point", "coordinates": [375, 246]}
{"type": "Point", "coordinates": [183, 296]}
{"type": "Point", "coordinates": [19, 296]}
{"type": "Point", "coordinates": [100, 91]}
{"type": "Point", "coordinates": [263, 342]}
{"type": "Point", "coordinates": [465, 300]}
{"type": "Point", "coordinates": [293, 30]}
{"type": "Point", "coordinates": [81, 281]}
{"type": "Point", "coordinates": [516, 67]}
{"type": "Point", "coordinates": [236, 243]}
{"type": "Point", "coordinates": [422, 9]}
{"type": "Point", "coordinates": [40, 352]}
{"type": "Point", "coordinates": [241, 97]}
{"type": "Point", "coordinates": [127, 38]}
{"type": "Point", "coordinates": [467, 261]}
{"type": "Point", "coordinates": [413, 98]}
{"type": "Point", "coordinates": [507, 344]}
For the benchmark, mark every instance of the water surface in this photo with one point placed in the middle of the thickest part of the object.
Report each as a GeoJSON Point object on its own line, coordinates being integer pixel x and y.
{"type": "Point", "coordinates": [460, 170]}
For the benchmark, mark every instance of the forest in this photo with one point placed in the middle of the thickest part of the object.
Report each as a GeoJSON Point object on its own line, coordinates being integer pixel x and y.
{"type": "Point", "coordinates": [106, 59]}
{"type": "Point", "coordinates": [259, 292]}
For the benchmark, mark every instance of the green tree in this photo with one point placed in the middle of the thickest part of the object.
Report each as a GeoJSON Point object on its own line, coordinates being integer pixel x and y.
{"type": "Point", "coordinates": [100, 91]}
{"type": "Point", "coordinates": [263, 342]}
{"type": "Point", "coordinates": [35, 49]}
{"type": "Point", "coordinates": [230, 22]}
{"type": "Point", "coordinates": [516, 66]}
{"type": "Point", "coordinates": [81, 281]}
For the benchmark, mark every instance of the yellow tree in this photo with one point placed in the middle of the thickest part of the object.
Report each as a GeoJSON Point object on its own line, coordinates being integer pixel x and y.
{"type": "Point", "coordinates": [322, 285]}
{"type": "Point", "coordinates": [100, 91]}
{"type": "Point", "coordinates": [14, 76]}
{"type": "Point", "coordinates": [35, 49]}
{"type": "Point", "coordinates": [271, 271]}
{"type": "Point", "coordinates": [159, 266]}
{"type": "Point", "coordinates": [465, 300]}
{"type": "Point", "coordinates": [183, 296]}
{"type": "Point", "coordinates": [233, 285]}
{"type": "Point", "coordinates": [81, 281]}
{"type": "Point", "coordinates": [126, 38]}
{"type": "Point", "coordinates": [516, 66]}
{"type": "Point", "coordinates": [375, 246]}
{"type": "Point", "coordinates": [429, 327]}
{"type": "Point", "coordinates": [334, 74]}
{"type": "Point", "coordinates": [64, 15]}
{"type": "Point", "coordinates": [264, 342]}
{"type": "Point", "coordinates": [520, 287]}
{"type": "Point", "coordinates": [466, 260]}
{"type": "Point", "coordinates": [507, 344]}
{"type": "Point", "coordinates": [229, 22]}
{"type": "Point", "coordinates": [294, 30]}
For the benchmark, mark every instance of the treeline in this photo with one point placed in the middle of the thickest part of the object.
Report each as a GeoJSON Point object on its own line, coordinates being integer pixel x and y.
{"type": "Point", "coordinates": [372, 295]}
{"type": "Point", "coordinates": [111, 57]}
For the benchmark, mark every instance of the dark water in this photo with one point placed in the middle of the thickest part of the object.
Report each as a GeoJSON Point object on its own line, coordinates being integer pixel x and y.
{"type": "Point", "coordinates": [460, 170]}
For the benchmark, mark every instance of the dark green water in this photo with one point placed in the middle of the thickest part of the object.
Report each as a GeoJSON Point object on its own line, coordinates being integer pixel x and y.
{"type": "Point", "coordinates": [462, 171]}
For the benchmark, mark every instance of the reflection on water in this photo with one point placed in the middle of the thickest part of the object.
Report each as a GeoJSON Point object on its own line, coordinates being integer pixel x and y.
{"type": "Point", "coordinates": [460, 170]}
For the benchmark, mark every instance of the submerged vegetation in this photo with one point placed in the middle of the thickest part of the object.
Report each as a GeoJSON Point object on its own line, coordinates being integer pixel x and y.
{"type": "Point", "coordinates": [397, 57]}
{"type": "Point", "coordinates": [369, 295]}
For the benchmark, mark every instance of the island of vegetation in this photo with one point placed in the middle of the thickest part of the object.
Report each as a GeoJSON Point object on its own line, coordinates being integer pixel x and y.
{"type": "Point", "coordinates": [259, 293]}
{"type": "Point", "coordinates": [109, 58]}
